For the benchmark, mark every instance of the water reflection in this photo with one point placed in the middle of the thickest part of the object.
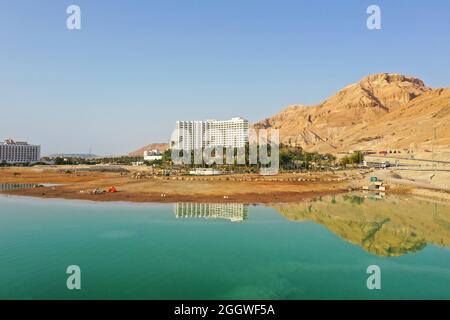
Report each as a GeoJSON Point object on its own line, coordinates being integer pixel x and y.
{"type": "Point", "coordinates": [384, 226]}
{"type": "Point", "coordinates": [15, 186]}
{"type": "Point", "coordinates": [234, 212]}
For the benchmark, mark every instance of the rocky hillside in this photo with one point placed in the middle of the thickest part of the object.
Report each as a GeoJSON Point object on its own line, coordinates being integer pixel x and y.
{"type": "Point", "coordinates": [382, 111]}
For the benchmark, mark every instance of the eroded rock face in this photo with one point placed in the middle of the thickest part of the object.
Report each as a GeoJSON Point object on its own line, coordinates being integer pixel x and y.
{"type": "Point", "coordinates": [341, 122]}
{"type": "Point", "coordinates": [391, 227]}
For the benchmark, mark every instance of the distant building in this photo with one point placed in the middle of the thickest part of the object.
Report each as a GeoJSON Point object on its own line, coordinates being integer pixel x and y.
{"type": "Point", "coordinates": [152, 155]}
{"type": "Point", "coordinates": [13, 152]}
{"type": "Point", "coordinates": [194, 135]}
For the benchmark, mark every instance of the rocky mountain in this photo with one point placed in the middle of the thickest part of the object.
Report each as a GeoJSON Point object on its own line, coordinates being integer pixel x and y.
{"type": "Point", "coordinates": [382, 111]}
{"type": "Point", "coordinates": [153, 146]}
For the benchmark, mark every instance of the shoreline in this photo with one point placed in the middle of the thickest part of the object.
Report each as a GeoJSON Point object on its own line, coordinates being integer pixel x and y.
{"type": "Point", "coordinates": [245, 189]}
{"type": "Point", "coordinates": [248, 199]}
{"type": "Point", "coordinates": [248, 188]}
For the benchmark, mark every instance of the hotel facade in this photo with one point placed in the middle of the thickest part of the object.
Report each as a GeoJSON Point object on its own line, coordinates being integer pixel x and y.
{"type": "Point", "coordinates": [194, 135]}
{"type": "Point", "coordinates": [13, 152]}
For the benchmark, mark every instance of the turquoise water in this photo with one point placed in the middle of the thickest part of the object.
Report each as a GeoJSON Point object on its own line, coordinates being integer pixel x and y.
{"type": "Point", "coordinates": [314, 250]}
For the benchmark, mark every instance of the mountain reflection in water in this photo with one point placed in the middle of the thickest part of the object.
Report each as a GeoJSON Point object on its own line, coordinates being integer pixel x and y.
{"type": "Point", "coordinates": [393, 226]}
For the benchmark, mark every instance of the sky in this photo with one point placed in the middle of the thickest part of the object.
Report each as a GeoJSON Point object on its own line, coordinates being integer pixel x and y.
{"type": "Point", "coordinates": [136, 66]}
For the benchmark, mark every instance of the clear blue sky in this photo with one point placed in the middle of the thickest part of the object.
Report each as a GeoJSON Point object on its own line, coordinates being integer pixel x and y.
{"type": "Point", "coordinates": [137, 66]}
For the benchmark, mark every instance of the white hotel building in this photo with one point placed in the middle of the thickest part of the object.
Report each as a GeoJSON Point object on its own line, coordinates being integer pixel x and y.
{"type": "Point", "coordinates": [190, 135]}
{"type": "Point", "coordinates": [12, 152]}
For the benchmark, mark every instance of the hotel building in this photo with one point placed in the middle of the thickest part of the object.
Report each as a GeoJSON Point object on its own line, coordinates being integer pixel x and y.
{"type": "Point", "coordinates": [191, 135]}
{"type": "Point", "coordinates": [13, 152]}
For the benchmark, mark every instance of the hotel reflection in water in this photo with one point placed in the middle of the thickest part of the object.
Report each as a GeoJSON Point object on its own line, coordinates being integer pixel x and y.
{"type": "Point", "coordinates": [234, 212]}
{"type": "Point", "coordinates": [15, 186]}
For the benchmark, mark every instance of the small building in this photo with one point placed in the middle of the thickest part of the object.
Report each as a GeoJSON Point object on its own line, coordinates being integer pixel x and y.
{"type": "Point", "coordinates": [375, 185]}
{"type": "Point", "coordinates": [152, 155]}
{"type": "Point", "coordinates": [379, 164]}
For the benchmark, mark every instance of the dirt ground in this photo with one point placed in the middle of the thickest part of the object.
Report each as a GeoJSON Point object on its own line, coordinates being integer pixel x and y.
{"type": "Point", "coordinates": [75, 184]}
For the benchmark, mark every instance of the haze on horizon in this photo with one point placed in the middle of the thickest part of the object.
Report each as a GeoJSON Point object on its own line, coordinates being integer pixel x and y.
{"type": "Point", "coordinates": [135, 68]}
